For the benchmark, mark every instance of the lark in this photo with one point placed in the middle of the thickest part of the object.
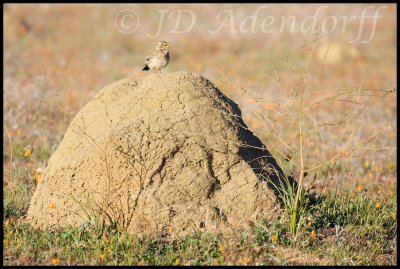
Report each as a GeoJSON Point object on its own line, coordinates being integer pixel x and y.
{"type": "Point", "coordinates": [157, 58]}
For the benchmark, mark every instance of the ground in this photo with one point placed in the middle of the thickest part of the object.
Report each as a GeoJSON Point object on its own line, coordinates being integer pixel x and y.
{"type": "Point", "coordinates": [56, 58]}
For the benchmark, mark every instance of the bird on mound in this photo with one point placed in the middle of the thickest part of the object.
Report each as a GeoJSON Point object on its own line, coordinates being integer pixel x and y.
{"type": "Point", "coordinates": [157, 58]}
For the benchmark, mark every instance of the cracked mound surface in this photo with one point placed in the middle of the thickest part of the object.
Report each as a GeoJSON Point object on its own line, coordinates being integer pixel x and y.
{"type": "Point", "coordinates": [157, 155]}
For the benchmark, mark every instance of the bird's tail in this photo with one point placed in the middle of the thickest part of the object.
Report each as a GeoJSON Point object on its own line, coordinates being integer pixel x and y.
{"type": "Point", "coordinates": [145, 68]}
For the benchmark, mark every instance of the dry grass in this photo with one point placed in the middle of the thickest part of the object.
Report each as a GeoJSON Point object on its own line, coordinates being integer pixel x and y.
{"type": "Point", "coordinates": [56, 57]}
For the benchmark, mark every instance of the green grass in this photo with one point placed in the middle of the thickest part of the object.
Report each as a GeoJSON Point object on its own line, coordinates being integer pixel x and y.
{"type": "Point", "coordinates": [78, 246]}
{"type": "Point", "coordinates": [345, 229]}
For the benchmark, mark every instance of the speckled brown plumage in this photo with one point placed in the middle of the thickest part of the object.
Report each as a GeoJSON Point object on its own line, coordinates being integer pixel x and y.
{"type": "Point", "coordinates": [157, 58]}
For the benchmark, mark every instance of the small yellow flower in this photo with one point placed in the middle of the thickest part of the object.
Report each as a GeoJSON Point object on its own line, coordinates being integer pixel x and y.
{"type": "Point", "coordinates": [378, 205]}
{"type": "Point", "coordinates": [109, 250]}
{"type": "Point", "coordinates": [38, 173]}
{"type": "Point", "coordinates": [359, 187]}
{"type": "Point", "coordinates": [101, 256]}
{"type": "Point", "coordinates": [246, 260]}
{"type": "Point", "coordinates": [52, 205]}
{"type": "Point", "coordinates": [391, 166]}
{"type": "Point", "coordinates": [37, 177]}
{"type": "Point", "coordinates": [309, 224]}
{"type": "Point", "coordinates": [177, 261]}
{"type": "Point", "coordinates": [274, 237]}
{"type": "Point", "coordinates": [313, 234]}
{"type": "Point", "coordinates": [221, 248]}
{"type": "Point", "coordinates": [27, 151]}
{"type": "Point", "coordinates": [366, 164]}
{"type": "Point", "coordinates": [55, 261]}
